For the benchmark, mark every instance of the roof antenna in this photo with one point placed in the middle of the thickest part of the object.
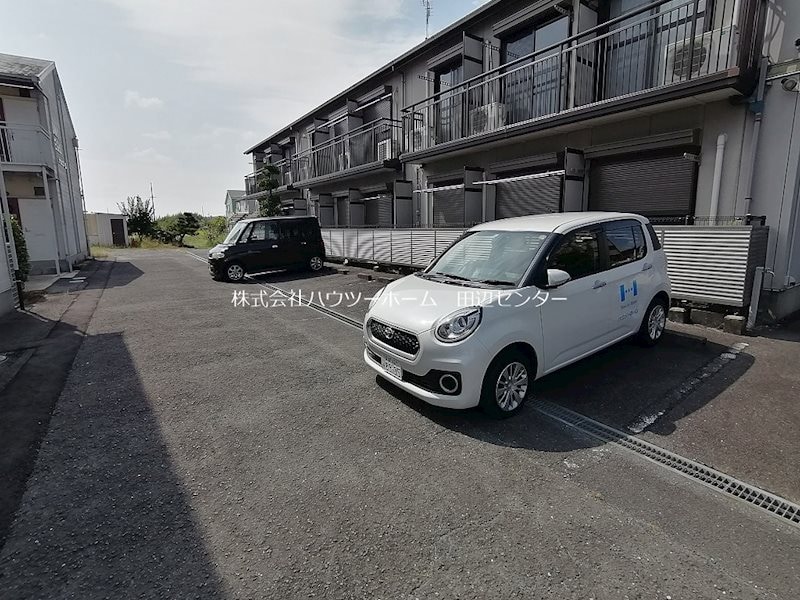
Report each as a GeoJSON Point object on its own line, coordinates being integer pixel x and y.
{"type": "Point", "coordinates": [428, 6]}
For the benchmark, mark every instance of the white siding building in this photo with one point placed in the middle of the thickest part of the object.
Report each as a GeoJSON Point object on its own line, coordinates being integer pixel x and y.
{"type": "Point", "coordinates": [40, 183]}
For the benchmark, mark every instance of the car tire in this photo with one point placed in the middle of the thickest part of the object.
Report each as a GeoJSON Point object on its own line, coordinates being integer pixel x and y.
{"type": "Point", "coordinates": [653, 324]}
{"type": "Point", "coordinates": [315, 263]}
{"type": "Point", "coordinates": [234, 272]}
{"type": "Point", "coordinates": [507, 384]}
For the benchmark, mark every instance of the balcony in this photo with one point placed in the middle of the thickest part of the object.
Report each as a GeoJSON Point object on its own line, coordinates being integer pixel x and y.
{"type": "Point", "coordinates": [25, 146]}
{"type": "Point", "coordinates": [284, 177]}
{"type": "Point", "coordinates": [656, 53]}
{"type": "Point", "coordinates": [372, 146]}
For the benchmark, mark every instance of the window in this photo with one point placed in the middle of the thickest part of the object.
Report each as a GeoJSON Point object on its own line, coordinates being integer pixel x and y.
{"type": "Point", "coordinates": [625, 241]}
{"type": "Point", "coordinates": [578, 254]}
{"type": "Point", "coordinates": [654, 237]}
{"type": "Point", "coordinates": [449, 105]}
{"type": "Point", "coordinates": [534, 88]}
{"type": "Point", "coordinates": [38, 190]}
{"type": "Point", "coordinates": [290, 231]}
{"type": "Point", "coordinates": [263, 231]}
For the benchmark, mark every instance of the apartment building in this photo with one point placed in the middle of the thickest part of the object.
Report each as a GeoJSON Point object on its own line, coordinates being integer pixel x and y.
{"type": "Point", "coordinates": [39, 164]}
{"type": "Point", "coordinates": [681, 110]}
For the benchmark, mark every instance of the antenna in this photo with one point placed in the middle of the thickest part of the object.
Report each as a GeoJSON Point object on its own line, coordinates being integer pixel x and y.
{"type": "Point", "coordinates": [152, 200]}
{"type": "Point", "coordinates": [428, 6]}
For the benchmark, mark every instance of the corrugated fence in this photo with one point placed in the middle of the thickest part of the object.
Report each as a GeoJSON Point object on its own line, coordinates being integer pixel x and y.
{"type": "Point", "coordinates": [706, 264]}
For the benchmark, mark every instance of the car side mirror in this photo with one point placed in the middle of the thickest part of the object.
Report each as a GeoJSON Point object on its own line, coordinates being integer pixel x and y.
{"type": "Point", "coordinates": [557, 277]}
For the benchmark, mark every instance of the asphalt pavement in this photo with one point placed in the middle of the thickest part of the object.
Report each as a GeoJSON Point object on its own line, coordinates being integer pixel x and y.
{"type": "Point", "coordinates": [202, 448]}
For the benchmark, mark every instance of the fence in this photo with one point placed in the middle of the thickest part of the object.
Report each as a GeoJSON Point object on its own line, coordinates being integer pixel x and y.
{"type": "Point", "coordinates": [706, 264]}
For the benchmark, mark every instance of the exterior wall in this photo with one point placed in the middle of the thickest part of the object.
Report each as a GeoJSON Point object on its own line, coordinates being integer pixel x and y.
{"type": "Point", "coordinates": [37, 223]}
{"type": "Point", "coordinates": [98, 228]}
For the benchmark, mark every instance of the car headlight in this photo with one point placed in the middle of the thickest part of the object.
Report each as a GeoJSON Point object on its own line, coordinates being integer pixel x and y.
{"type": "Point", "coordinates": [216, 254]}
{"type": "Point", "coordinates": [374, 300]}
{"type": "Point", "coordinates": [458, 325]}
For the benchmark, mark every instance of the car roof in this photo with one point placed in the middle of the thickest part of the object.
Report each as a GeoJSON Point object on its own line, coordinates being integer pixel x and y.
{"type": "Point", "coordinates": [554, 222]}
{"type": "Point", "coordinates": [281, 218]}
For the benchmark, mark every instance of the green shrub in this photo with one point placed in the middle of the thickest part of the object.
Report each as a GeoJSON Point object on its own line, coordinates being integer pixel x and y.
{"type": "Point", "coordinates": [23, 258]}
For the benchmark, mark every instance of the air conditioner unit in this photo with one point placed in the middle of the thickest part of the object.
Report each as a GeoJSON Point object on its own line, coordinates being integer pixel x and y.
{"type": "Point", "coordinates": [343, 161]}
{"type": "Point", "coordinates": [385, 150]}
{"type": "Point", "coordinates": [708, 53]}
{"type": "Point", "coordinates": [487, 118]}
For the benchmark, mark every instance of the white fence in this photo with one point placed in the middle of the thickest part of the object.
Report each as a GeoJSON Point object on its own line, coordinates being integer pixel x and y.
{"type": "Point", "coordinates": [706, 264]}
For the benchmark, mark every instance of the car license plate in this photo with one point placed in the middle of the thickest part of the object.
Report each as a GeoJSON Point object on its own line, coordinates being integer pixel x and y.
{"type": "Point", "coordinates": [392, 368]}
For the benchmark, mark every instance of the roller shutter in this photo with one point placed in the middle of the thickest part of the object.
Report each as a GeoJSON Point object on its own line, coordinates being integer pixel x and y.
{"type": "Point", "coordinates": [343, 211]}
{"type": "Point", "coordinates": [378, 209]}
{"type": "Point", "coordinates": [448, 206]}
{"type": "Point", "coordinates": [650, 186]}
{"type": "Point", "coordinates": [534, 196]}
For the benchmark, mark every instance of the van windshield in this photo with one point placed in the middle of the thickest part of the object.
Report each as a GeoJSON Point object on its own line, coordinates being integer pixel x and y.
{"type": "Point", "coordinates": [494, 258]}
{"type": "Point", "coordinates": [234, 233]}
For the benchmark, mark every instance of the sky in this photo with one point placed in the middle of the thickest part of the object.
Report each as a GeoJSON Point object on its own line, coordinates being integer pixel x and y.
{"type": "Point", "coordinates": [174, 91]}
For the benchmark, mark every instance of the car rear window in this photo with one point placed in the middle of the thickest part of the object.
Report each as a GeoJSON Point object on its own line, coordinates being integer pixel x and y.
{"type": "Point", "coordinates": [625, 241]}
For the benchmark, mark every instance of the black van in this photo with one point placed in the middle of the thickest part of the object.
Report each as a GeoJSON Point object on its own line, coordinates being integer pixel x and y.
{"type": "Point", "coordinates": [256, 245]}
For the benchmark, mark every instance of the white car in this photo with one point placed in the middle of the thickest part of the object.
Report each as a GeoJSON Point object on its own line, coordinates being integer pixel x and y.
{"type": "Point", "coordinates": [515, 299]}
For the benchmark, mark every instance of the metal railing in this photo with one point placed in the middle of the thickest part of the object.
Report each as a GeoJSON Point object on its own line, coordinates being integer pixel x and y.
{"type": "Point", "coordinates": [656, 45]}
{"type": "Point", "coordinates": [374, 142]}
{"type": "Point", "coordinates": [25, 144]}
{"type": "Point", "coordinates": [284, 176]}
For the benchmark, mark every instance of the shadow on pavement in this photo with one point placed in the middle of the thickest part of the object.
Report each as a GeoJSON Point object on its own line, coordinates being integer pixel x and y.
{"type": "Point", "coordinates": [104, 513]}
{"type": "Point", "coordinates": [617, 387]}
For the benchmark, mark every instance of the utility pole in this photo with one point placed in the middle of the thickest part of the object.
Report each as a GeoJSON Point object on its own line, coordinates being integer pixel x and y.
{"type": "Point", "coordinates": [152, 201]}
{"type": "Point", "coordinates": [428, 6]}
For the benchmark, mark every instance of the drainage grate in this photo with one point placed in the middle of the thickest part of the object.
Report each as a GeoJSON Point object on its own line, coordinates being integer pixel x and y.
{"type": "Point", "coordinates": [771, 503]}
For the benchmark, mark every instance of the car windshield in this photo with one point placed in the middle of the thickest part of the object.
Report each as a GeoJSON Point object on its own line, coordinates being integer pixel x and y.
{"type": "Point", "coordinates": [493, 258]}
{"type": "Point", "coordinates": [234, 233]}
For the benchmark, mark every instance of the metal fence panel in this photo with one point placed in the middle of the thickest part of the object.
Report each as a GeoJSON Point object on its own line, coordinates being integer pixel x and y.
{"type": "Point", "coordinates": [350, 242]}
{"type": "Point", "coordinates": [383, 245]}
{"type": "Point", "coordinates": [423, 247]}
{"type": "Point", "coordinates": [365, 244]}
{"type": "Point", "coordinates": [401, 247]}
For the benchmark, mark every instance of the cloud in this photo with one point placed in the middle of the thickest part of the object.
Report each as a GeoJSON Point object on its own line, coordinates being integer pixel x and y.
{"type": "Point", "coordinates": [158, 135]}
{"type": "Point", "coordinates": [274, 69]}
{"type": "Point", "coordinates": [149, 155]}
{"type": "Point", "coordinates": [134, 99]}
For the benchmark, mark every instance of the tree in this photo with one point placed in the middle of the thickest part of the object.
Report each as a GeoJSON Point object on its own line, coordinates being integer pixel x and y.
{"type": "Point", "coordinates": [267, 181]}
{"type": "Point", "coordinates": [173, 228]}
{"type": "Point", "coordinates": [23, 259]}
{"type": "Point", "coordinates": [214, 229]}
{"type": "Point", "coordinates": [140, 213]}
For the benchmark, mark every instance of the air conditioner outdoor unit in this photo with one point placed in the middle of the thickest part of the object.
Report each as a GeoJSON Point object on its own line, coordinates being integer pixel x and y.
{"type": "Point", "coordinates": [487, 118]}
{"type": "Point", "coordinates": [385, 150]}
{"type": "Point", "coordinates": [708, 53]}
{"type": "Point", "coordinates": [343, 161]}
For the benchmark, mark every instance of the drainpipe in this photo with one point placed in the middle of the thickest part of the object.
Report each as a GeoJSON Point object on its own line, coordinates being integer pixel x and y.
{"type": "Point", "coordinates": [53, 215]}
{"type": "Point", "coordinates": [722, 139]}
{"type": "Point", "coordinates": [757, 106]}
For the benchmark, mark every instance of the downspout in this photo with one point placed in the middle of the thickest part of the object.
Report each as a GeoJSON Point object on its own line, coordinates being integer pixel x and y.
{"type": "Point", "coordinates": [722, 139]}
{"type": "Point", "coordinates": [49, 199]}
{"type": "Point", "coordinates": [757, 106]}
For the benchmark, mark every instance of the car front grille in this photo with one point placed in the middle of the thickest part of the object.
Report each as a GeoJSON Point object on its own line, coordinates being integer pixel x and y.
{"type": "Point", "coordinates": [396, 338]}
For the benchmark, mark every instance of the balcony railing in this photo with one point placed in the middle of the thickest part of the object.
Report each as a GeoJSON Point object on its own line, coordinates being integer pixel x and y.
{"type": "Point", "coordinates": [661, 44]}
{"type": "Point", "coordinates": [25, 144]}
{"type": "Point", "coordinates": [372, 143]}
{"type": "Point", "coordinates": [284, 177]}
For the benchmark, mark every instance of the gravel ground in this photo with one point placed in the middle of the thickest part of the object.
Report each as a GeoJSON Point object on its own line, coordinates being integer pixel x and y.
{"type": "Point", "coordinates": [204, 450]}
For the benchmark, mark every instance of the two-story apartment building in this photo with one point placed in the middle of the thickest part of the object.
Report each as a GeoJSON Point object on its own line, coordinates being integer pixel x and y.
{"type": "Point", "coordinates": [40, 183]}
{"type": "Point", "coordinates": [674, 109]}
{"type": "Point", "coordinates": [237, 206]}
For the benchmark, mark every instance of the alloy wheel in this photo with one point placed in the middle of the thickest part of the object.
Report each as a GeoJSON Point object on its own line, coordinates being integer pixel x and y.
{"type": "Point", "coordinates": [656, 322]}
{"type": "Point", "coordinates": [511, 386]}
{"type": "Point", "coordinates": [235, 272]}
{"type": "Point", "coordinates": [315, 263]}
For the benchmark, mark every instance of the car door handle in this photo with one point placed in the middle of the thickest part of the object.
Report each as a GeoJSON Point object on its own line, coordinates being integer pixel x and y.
{"type": "Point", "coordinates": [303, 243]}
{"type": "Point", "coordinates": [598, 284]}
{"type": "Point", "coordinates": [647, 266]}
{"type": "Point", "coordinates": [274, 245]}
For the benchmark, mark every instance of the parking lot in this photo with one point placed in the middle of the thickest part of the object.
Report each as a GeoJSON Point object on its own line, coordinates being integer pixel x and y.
{"type": "Point", "coordinates": [206, 446]}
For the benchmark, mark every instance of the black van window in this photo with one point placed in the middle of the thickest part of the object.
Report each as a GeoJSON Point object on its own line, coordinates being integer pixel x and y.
{"type": "Point", "coordinates": [308, 230]}
{"type": "Point", "coordinates": [290, 230]}
{"type": "Point", "coordinates": [263, 231]}
{"type": "Point", "coordinates": [578, 254]}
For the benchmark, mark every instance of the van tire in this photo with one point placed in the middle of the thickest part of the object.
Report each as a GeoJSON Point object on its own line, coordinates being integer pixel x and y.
{"type": "Point", "coordinates": [315, 263]}
{"type": "Point", "coordinates": [506, 365]}
{"type": "Point", "coordinates": [234, 272]}
{"type": "Point", "coordinates": [653, 324]}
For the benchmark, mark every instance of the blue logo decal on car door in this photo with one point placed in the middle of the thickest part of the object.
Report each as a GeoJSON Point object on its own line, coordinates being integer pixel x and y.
{"type": "Point", "coordinates": [633, 290]}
